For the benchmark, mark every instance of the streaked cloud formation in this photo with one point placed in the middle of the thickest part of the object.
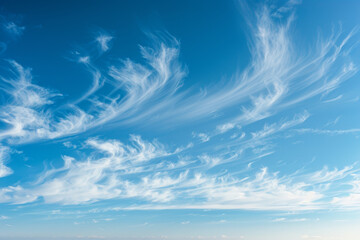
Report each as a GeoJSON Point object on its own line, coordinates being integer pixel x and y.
{"type": "Point", "coordinates": [277, 78]}
{"type": "Point", "coordinates": [143, 134]}
{"type": "Point", "coordinates": [103, 40]}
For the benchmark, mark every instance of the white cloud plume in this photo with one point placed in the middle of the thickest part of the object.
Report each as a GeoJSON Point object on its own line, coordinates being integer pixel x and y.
{"type": "Point", "coordinates": [290, 220]}
{"type": "Point", "coordinates": [349, 199]}
{"type": "Point", "coordinates": [103, 40]}
{"type": "Point", "coordinates": [202, 136]}
{"type": "Point", "coordinates": [325, 175]}
{"type": "Point", "coordinates": [4, 170]}
{"type": "Point", "coordinates": [277, 78]}
{"type": "Point", "coordinates": [27, 115]}
{"type": "Point", "coordinates": [100, 176]}
{"type": "Point", "coordinates": [277, 127]}
{"type": "Point", "coordinates": [136, 91]}
{"type": "Point", "coordinates": [118, 171]}
{"type": "Point", "coordinates": [333, 99]}
{"type": "Point", "coordinates": [13, 29]}
{"type": "Point", "coordinates": [225, 127]}
{"type": "Point", "coordinates": [30, 115]}
{"type": "Point", "coordinates": [328, 131]}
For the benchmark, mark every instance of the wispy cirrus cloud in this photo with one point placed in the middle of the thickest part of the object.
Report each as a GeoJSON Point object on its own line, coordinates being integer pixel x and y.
{"type": "Point", "coordinates": [290, 220]}
{"type": "Point", "coordinates": [328, 131]}
{"type": "Point", "coordinates": [104, 40]}
{"type": "Point", "coordinates": [278, 77]}
{"type": "Point", "coordinates": [349, 199]}
{"type": "Point", "coordinates": [277, 127]}
{"type": "Point", "coordinates": [142, 86]}
{"type": "Point", "coordinates": [334, 99]}
{"type": "Point", "coordinates": [326, 175]}
{"type": "Point", "coordinates": [4, 170]}
{"type": "Point", "coordinates": [262, 89]}
{"type": "Point", "coordinates": [28, 115]}
{"type": "Point", "coordinates": [202, 136]}
{"type": "Point", "coordinates": [100, 176]}
{"type": "Point", "coordinates": [137, 171]}
{"type": "Point", "coordinates": [225, 127]}
{"type": "Point", "coordinates": [13, 29]}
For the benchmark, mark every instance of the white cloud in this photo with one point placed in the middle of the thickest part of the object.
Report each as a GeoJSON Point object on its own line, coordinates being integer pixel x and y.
{"type": "Point", "coordinates": [334, 122]}
{"type": "Point", "coordinates": [27, 113]}
{"type": "Point", "coordinates": [135, 91]}
{"type": "Point", "coordinates": [202, 136]}
{"type": "Point", "coordinates": [4, 170]}
{"type": "Point", "coordinates": [84, 59]}
{"type": "Point", "coordinates": [225, 127]}
{"type": "Point", "coordinates": [69, 145]}
{"type": "Point", "coordinates": [328, 131]}
{"type": "Point", "coordinates": [103, 40]}
{"type": "Point", "coordinates": [325, 175]}
{"type": "Point", "coordinates": [277, 127]}
{"type": "Point", "coordinates": [31, 115]}
{"type": "Point", "coordinates": [115, 170]}
{"type": "Point", "coordinates": [333, 99]}
{"type": "Point", "coordinates": [13, 29]}
{"type": "Point", "coordinates": [277, 78]}
{"type": "Point", "coordinates": [101, 176]}
{"type": "Point", "coordinates": [279, 219]}
{"type": "Point", "coordinates": [264, 191]}
{"type": "Point", "coordinates": [210, 161]}
{"type": "Point", "coordinates": [287, 7]}
{"type": "Point", "coordinates": [290, 219]}
{"type": "Point", "coordinates": [349, 199]}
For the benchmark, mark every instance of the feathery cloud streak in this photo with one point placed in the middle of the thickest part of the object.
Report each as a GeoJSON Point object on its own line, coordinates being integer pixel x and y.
{"type": "Point", "coordinates": [278, 77]}
{"type": "Point", "coordinates": [144, 171]}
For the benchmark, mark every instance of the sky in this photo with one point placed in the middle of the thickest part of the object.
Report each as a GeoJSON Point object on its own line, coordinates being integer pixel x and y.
{"type": "Point", "coordinates": [139, 120]}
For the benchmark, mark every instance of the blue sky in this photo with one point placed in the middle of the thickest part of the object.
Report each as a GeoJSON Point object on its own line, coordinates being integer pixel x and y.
{"type": "Point", "coordinates": [179, 120]}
